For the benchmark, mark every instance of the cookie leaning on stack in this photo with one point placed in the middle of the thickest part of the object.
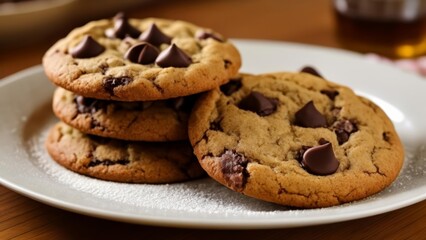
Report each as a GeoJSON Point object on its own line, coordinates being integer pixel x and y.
{"type": "Point", "coordinates": [295, 139]}
{"type": "Point", "coordinates": [126, 80]}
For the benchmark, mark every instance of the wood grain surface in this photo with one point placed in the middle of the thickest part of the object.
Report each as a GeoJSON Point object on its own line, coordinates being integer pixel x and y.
{"type": "Point", "coordinates": [306, 21]}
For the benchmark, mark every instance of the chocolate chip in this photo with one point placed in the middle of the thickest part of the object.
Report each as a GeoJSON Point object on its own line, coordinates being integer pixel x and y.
{"type": "Point", "coordinates": [385, 136]}
{"type": "Point", "coordinates": [226, 63]}
{"type": "Point", "coordinates": [122, 28]}
{"type": "Point", "coordinates": [112, 82]}
{"type": "Point", "coordinates": [87, 48]}
{"type": "Point", "coordinates": [346, 125]}
{"type": "Point", "coordinates": [231, 87]}
{"type": "Point", "coordinates": [320, 160]}
{"type": "Point", "coordinates": [154, 36]}
{"type": "Point", "coordinates": [143, 53]}
{"type": "Point", "coordinates": [343, 129]}
{"type": "Point", "coordinates": [258, 103]}
{"type": "Point", "coordinates": [107, 162]}
{"type": "Point", "coordinates": [341, 136]}
{"type": "Point", "coordinates": [233, 167]}
{"type": "Point", "coordinates": [202, 34]}
{"type": "Point", "coordinates": [302, 150]}
{"type": "Point", "coordinates": [309, 116]}
{"type": "Point", "coordinates": [330, 93]}
{"type": "Point", "coordinates": [216, 126]}
{"type": "Point", "coordinates": [173, 57]}
{"type": "Point", "coordinates": [87, 105]}
{"type": "Point", "coordinates": [349, 127]}
{"type": "Point", "coordinates": [311, 70]}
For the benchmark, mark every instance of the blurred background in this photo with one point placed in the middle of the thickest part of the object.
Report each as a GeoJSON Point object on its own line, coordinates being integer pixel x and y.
{"type": "Point", "coordinates": [392, 28]}
{"type": "Point", "coordinates": [28, 28]}
{"type": "Point", "coordinates": [46, 19]}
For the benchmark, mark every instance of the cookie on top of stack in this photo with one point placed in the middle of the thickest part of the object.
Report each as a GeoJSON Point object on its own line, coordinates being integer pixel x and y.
{"type": "Point", "coordinates": [125, 91]}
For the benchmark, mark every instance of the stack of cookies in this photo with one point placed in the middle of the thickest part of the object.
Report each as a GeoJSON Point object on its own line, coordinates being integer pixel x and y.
{"type": "Point", "coordinates": [129, 98]}
{"type": "Point", "coordinates": [125, 91]}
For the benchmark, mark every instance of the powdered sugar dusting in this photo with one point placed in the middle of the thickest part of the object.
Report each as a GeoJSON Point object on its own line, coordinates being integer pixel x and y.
{"type": "Point", "coordinates": [202, 195]}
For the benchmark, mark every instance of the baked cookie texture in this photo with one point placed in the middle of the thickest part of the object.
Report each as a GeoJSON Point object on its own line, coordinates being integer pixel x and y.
{"type": "Point", "coordinates": [122, 161]}
{"type": "Point", "coordinates": [259, 147]}
{"type": "Point", "coordinates": [163, 120]}
{"type": "Point", "coordinates": [102, 68]}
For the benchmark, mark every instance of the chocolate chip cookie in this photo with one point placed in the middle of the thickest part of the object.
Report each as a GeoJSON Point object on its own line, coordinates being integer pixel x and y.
{"type": "Point", "coordinates": [295, 139]}
{"type": "Point", "coordinates": [162, 120]}
{"type": "Point", "coordinates": [141, 59]}
{"type": "Point", "coordinates": [122, 161]}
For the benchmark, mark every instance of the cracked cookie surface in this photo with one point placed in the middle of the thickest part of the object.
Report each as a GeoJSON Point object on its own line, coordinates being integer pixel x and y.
{"type": "Point", "coordinates": [253, 134]}
{"type": "Point", "coordinates": [122, 161]}
{"type": "Point", "coordinates": [162, 120]}
{"type": "Point", "coordinates": [105, 68]}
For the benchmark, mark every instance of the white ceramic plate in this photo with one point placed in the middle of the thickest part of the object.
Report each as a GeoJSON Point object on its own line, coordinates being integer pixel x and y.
{"type": "Point", "coordinates": [25, 167]}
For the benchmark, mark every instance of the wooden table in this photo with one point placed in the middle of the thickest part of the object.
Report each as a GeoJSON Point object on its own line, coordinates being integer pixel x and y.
{"type": "Point", "coordinates": [306, 21]}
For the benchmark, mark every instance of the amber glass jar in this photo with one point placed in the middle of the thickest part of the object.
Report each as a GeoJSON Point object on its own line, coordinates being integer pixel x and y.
{"type": "Point", "coordinates": [394, 28]}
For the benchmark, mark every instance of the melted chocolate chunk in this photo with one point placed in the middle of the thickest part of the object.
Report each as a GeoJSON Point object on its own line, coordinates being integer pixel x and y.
{"type": "Point", "coordinates": [231, 87]}
{"type": "Point", "coordinates": [258, 103]}
{"type": "Point", "coordinates": [122, 28]}
{"type": "Point", "coordinates": [234, 169]}
{"type": "Point", "coordinates": [107, 162]}
{"type": "Point", "coordinates": [385, 136]}
{"type": "Point", "coordinates": [330, 93]}
{"type": "Point", "coordinates": [201, 34]}
{"type": "Point", "coordinates": [112, 82]}
{"type": "Point", "coordinates": [155, 36]}
{"type": "Point", "coordinates": [87, 48]}
{"type": "Point", "coordinates": [309, 116]}
{"type": "Point", "coordinates": [320, 160]}
{"type": "Point", "coordinates": [226, 63]}
{"type": "Point", "coordinates": [341, 136]}
{"type": "Point", "coordinates": [173, 57]}
{"type": "Point", "coordinates": [311, 70]}
{"type": "Point", "coordinates": [87, 105]}
{"type": "Point", "coordinates": [143, 53]}
{"type": "Point", "coordinates": [215, 126]}
{"type": "Point", "coordinates": [343, 129]}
